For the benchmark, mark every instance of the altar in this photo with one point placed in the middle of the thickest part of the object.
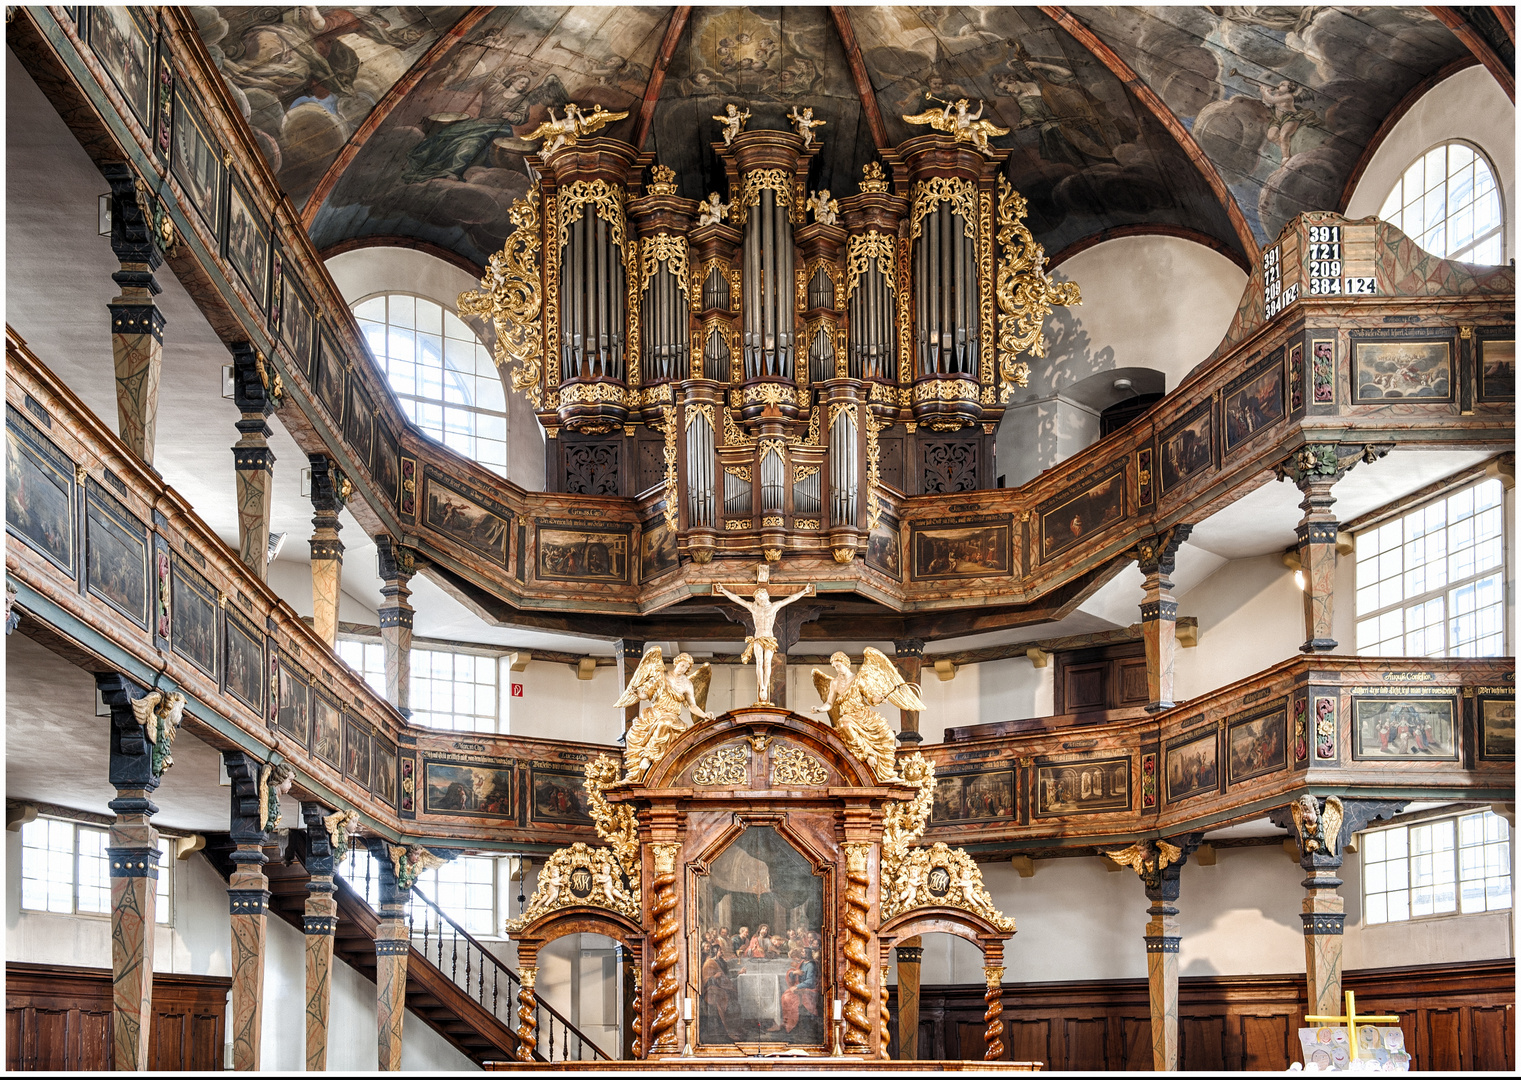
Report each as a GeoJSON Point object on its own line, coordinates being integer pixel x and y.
{"type": "Point", "coordinates": [758, 867]}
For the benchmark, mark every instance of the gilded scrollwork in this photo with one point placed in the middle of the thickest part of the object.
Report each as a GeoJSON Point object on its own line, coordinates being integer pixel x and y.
{"type": "Point", "coordinates": [874, 428]}
{"type": "Point", "coordinates": [940, 876]}
{"type": "Point", "coordinates": [862, 250]}
{"type": "Point", "coordinates": [794, 766]}
{"type": "Point", "coordinates": [672, 484]}
{"type": "Point", "coordinates": [694, 411]}
{"type": "Point", "coordinates": [803, 472]}
{"type": "Point", "coordinates": [756, 181]}
{"type": "Point", "coordinates": [727, 766]}
{"type": "Point", "coordinates": [945, 390]}
{"type": "Point", "coordinates": [1025, 293]}
{"type": "Point", "coordinates": [667, 249]}
{"type": "Point", "coordinates": [605, 198]}
{"type": "Point", "coordinates": [928, 194]}
{"type": "Point", "coordinates": [615, 823]}
{"type": "Point", "coordinates": [594, 393]}
{"type": "Point", "coordinates": [739, 472]}
{"type": "Point", "coordinates": [580, 876]}
{"type": "Point", "coordinates": [509, 295]}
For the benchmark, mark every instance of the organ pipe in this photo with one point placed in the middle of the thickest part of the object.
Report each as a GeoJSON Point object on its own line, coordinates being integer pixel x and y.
{"type": "Point", "coordinates": [842, 469]}
{"type": "Point", "coordinates": [591, 302]}
{"type": "Point", "coordinates": [946, 309]}
{"type": "Point", "coordinates": [769, 299]}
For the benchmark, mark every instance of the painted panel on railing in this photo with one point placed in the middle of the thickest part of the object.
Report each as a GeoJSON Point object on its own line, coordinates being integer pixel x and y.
{"type": "Point", "coordinates": [243, 661]}
{"type": "Point", "coordinates": [294, 718]}
{"type": "Point", "coordinates": [1405, 727]}
{"type": "Point", "coordinates": [197, 161]}
{"type": "Point", "coordinates": [357, 740]}
{"type": "Point", "coordinates": [1253, 402]}
{"type": "Point", "coordinates": [328, 382]}
{"type": "Point", "coordinates": [385, 771]}
{"type": "Point", "coordinates": [1187, 448]}
{"type": "Point", "coordinates": [461, 517]}
{"type": "Point", "coordinates": [247, 241]}
{"type": "Point", "coordinates": [1257, 742]}
{"type": "Point", "coordinates": [972, 547]}
{"type": "Point", "coordinates": [327, 730]}
{"type": "Point", "coordinates": [193, 628]}
{"type": "Point", "coordinates": [122, 41]}
{"type": "Point", "coordinates": [1081, 786]}
{"type": "Point", "coordinates": [574, 551]}
{"type": "Point", "coordinates": [296, 329]}
{"type": "Point", "coordinates": [558, 796]}
{"type": "Point", "coordinates": [974, 796]}
{"type": "Point", "coordinates": [1390, 367]}
{"type": "Point", "coordinates": [385, 464]}
{"type": "Point", "coordinates": [1497, 363]}
{"type": "Point", "coordinates": [1072, 517]}
{"type": "Point", "coordinates": [1192, 764]}
{"type": "Point", "coordinates": [116, 554]}
{"type": "Point", "coordinates": [467, 789]}
{"type": "Point", "coordinates": [1495, 719]}
{"type": "Point", "coordinates": [359, 424]}
{"type": "Point", "coordinates": [39, 492]}
{"type": "Point", "coordinates": [657, 548]}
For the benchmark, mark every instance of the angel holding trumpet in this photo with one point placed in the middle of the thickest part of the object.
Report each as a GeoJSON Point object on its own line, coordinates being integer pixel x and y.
{"type": "Point", "coordinates": [850, 701]}
{"type": "Point", "coordinates": [667, 693]}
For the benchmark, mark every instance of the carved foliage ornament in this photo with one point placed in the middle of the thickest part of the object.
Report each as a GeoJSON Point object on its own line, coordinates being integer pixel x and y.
{"type": "Point", "coordinates": [758, 180]}
{"type": "Point", "coordinates": [615, 824]}
{"type": "Point", "coordinates": [510, 296]}
{"type": "Point", "coordinates": [667, 249]}
{"type": "Point", "coordinates": [726, 767]}
{"type": "Point", "coordinates": [791, 765]}
{"type": "Point", "coordinates": [864, 248]}
{"type": "Point", "coordinates": [929, 194]}
{"type": "Point", "coordinates": [1025, 294]}
{"type": "Point", "coordinates": [580, 876]}
{"type": "Point", "coordinates": [940, 876]}
{"type": "Point", "coordinates": [672, 489]}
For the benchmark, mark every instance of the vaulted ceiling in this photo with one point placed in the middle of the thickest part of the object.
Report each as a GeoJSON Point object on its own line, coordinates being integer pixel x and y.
{"type": "Point", "coordinates": [405, 125]}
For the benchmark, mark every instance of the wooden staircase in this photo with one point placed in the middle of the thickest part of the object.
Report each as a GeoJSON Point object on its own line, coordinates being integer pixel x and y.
{"type": "Point", "coordinates": [431, 994]}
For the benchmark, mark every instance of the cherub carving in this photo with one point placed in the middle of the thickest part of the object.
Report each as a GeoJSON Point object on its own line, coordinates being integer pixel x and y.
{"type": "Point", "coordinates": [955, 121]}
{"type": "Point", "coordinates": [849, 699]}
{"type": "Point", "coordinates": [804, 123]}
{"type": "Point", "coordinates": [274, 781]}
{"type": "Point", "coordinates": [1319, 828]}
{"type": "Point", "coordinates": [733, 121]}
{"type": "Point", "coordinates": [826, 211]}
{"type": "Point", "coordinates": [551, 882]}
{"type": "Point", "coordinates": [712, 211]}
{"type": "Point", "coordinates": [1148, 858]}
{"type": "Point", "coordinates": [160, 719]}
{"type": "Point", "coordinates": [341, 825]}
{"type": "Point", "coordinates": [667, 693]}
{"type": "Point", "coordinates": [559, 133]}
{"type": "Point", "coordinates": [409, 863]}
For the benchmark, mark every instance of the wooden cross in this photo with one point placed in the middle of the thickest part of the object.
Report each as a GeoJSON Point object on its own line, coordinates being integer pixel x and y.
{"type": "Point", "coordinates": [762, 581]}
{"type": "Point", "coordinates": [1352, 1020]}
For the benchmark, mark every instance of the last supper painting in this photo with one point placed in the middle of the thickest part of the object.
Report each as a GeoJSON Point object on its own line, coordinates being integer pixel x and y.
{"type": "Point", "coordinates": [761, 920]}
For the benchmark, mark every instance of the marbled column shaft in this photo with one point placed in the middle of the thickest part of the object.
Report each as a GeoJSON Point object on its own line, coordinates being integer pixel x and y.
{"type": "Point", "coordinates": [137, 347]}
{"type": "Point", "coordinates": [396, 620]}
{"type": "Point", "coordinates": [320, 922]}
{"type": "Point", "coordinates": [1317, 561]}
{"type": "Point", "coordinates": [1162, 939]}
{"type": "Point", "coordinates": [1322, 915]}
{"type": "Point", "coordinates": [910, 957]}
{"type": "Point", "coordinates": [1156, 557]}
{"type": "Point", "coordinates": [248, 896]}
{"type": "Point", "coordinates": [909, 656]}
{"type": "Point", "coordinates": [392, 945]}
{"type": "Point", "coordinates": [133, 855]}
{"type": "Point", "coordinates": [327, 550]}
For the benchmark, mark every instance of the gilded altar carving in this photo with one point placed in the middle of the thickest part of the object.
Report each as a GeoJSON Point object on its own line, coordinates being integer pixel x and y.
{"type": "Point", "coordinates": [941, 876]}
{"type": "Point", "coordinates": [794, 766]}
{"type": "Point", "coordinates": [580, 876]}
{"type": "Point", "coordinates": [667, 693]}
{"type": "Point", "coordinates": [1025, 293]}
{"type": "Point", "coordinates": [928, 194]}
{"type": "Point", "coordinates": [615, 822]}
{"type": "Point", "coordinates": [725, 767]}
{"type": "Point", "coordinates": [510, 296]}
{"type": "Point", "coordinates": [862, 250]}
{"type": "Point", "coordinates": [849, 699]}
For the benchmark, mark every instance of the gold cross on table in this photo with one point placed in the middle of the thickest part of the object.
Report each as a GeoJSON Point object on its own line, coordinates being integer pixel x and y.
{"type": "Point", "coordinates": [1352, 1020]}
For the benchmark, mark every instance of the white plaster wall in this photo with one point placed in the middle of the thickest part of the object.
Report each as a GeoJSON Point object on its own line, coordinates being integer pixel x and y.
{"type": "Point", "coordinates": [364, 272]}
{"type": "Point", "coordinates": [198, 942]}
{"type": "Point", "coordinates": [558, 705]}
{"type": "Point", "coordinates": [1014, 689]}
{"type": "Point", "coordinates": [1250, 615]}
{"type": "Point", "coordinates": [1469, 105]}
{"type": "Point", "coordinates": [292, 582]}
{"type": "Point", "coordinates": [1158, 302]}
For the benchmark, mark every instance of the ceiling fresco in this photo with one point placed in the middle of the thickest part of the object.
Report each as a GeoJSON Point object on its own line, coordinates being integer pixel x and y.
{"type": "Point", "coordinates": [306, 78]}
{"type": "Point", "coordinates": [1281, 100]}
{"type": "Point", "coordinates": [1085, 154]}
{"type": "Point", "coordinates": [449, 160]}
{"type": "Point", "coordinates": [1243, 117]}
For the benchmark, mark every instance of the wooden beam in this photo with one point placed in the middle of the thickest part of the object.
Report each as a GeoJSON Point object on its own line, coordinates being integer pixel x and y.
{"type": "Point", "coordinates": [1148, 97]}
{"type": "Point", "coordinates": [858, 73]}
{"type": "Point", "coordinates": [673, 32]}
{"type": "Point", "coordinates": [383, 109]}
{"type": "Point", "coordinates": [1396, 114]}
{"type": "Point", "coordinates": [1507, 16]}
{"type": "Point", "coordinates": [1468, 35]}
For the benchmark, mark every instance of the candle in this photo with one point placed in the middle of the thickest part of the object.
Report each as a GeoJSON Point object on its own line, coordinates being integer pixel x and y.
{"type": "Point", "coordinates": [686, 1010]}
{"type": "Point", "coordinates": [838, 1005]}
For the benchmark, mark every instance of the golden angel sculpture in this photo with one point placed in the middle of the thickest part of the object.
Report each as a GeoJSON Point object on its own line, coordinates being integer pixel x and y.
{"type": "Point", "coordinates": [962, 126]}
{"type": "Point", "coordinates": [1148, 858]}
{"type": "Point", "coordinates": [1319, 828]}
{"type": "Point", "coordinates": [560, 133]}
{"type": "Point", "coordinates": [849, 699]}
{"type": "Point", "coordinates": [667, 692]}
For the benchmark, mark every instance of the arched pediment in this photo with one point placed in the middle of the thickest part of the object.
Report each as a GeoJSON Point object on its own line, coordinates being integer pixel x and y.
{"type": "Point", "coordinates": [760, 748]}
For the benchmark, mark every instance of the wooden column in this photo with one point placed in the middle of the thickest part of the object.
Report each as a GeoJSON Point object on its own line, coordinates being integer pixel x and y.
{"type": "Point", "coordinates": [909, 654]}
{"type": "Point", "coordinates": [396, 567]}
{"type": "Point", "coordinates": [1156, 557]}
{"type": "Point", "coordinates": [392, 945]}
{"type": "Point", "coordinates": [910, 956]}
{"type": "Point", "coordinates": [528, 1008]}
{"type": "Point", "coordinates": [253, 459]}
{"type": "Point", "coordinates": [133, 855]}
{"type": "Point", "coordinates": [992, 996]}
{"type": "Point", "coordinates": [330, 488]}
{"type": "Point", "coordinates": [320, 922]}
{"type": "Point", "coordinates": [137, 325]}
{"type": "Point", "coordinates": [628, 653]}
{"type": "Point", "coordinates": [248, 896]}
{"type": "Point", "coordinates": [1321, 829]}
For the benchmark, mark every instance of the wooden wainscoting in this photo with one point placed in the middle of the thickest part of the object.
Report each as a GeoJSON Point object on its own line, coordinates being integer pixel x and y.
{"type": "Point", "coordinates": [1455, 1017]}
{"type": "Point", "coordinates": [58, 1019]}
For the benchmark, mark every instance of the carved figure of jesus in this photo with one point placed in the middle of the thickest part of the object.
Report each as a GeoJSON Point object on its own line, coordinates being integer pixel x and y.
{"type": "Point", "coordinates": [762, 640]}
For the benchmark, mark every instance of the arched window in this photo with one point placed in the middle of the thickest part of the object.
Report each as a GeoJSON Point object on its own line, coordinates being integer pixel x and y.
{"type": "Point", "coordinates": [1449, 203]}
{"type": "Point", "coordinates": [441, 374]}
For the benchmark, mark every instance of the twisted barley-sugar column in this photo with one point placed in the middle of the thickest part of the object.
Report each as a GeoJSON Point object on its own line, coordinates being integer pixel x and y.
{"type": "Point", "coordinates": [887, 1018]}
{"type": "Point", "coordinates": [663, 966]}
{"type": "Point", "coordinates": [993, 1015]}
{"type": "Point", "coordinates": [527, 1014]}
{"type": "Point", "coordinates": [636, 1034]}
{"type": "Point", "coordinates": [857, 963]}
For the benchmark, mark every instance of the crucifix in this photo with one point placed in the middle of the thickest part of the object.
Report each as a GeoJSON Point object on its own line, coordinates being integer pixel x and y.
{"type": "Point", "coordinates": [1352, 1020]}
{"type": "Point", "coordinates": [762, 641]}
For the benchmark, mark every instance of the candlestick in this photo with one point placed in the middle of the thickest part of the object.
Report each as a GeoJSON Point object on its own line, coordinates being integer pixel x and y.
{"type": "Point", "coordinates": [838, 1008]}
{"type": "Point", "coordinates": [686, 1010]}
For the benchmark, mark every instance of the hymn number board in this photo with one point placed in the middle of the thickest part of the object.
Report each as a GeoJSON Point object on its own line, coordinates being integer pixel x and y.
{"type": "Point", "coordinates": [1326, 260]}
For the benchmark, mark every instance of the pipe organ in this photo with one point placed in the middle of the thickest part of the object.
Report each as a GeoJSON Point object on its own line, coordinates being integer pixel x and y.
{"type": "Point", "coordinates": [774, 374]}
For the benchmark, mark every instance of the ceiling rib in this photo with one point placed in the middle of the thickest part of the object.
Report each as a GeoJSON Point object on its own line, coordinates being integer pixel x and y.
{"type": "Point", "coordinates": [448, 255]}
{"type": "Point", "coordinates": [1148, 97]}
{"type": "Point", "coordinates": [1417, 91]}
{"type": "Point", "coordinates": [864, 91]}
{"type": "Point", "coordinates": [1507, 17]}
{"type": "Point", "coordinates": [673, 31]}
{"type": "Point", "coordinates": [1471, 37]}
{"type": "Point", "coordinates": [383, 109]}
